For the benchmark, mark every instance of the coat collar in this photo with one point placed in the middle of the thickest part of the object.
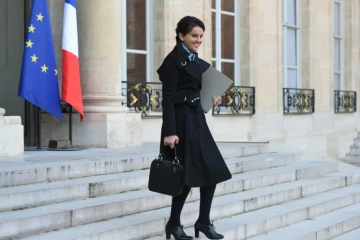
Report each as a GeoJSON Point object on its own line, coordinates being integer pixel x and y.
{"type": "Point", "coordinates": [181, 52]}
{"type": "Point", "coordinates": [191, 67]}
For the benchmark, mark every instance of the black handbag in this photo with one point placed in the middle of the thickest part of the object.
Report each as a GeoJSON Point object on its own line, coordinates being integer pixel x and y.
{"type": "Point", "coordinates": [166, 175]}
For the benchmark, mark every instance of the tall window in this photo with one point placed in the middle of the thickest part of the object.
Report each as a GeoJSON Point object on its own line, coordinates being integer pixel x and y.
{"type": "Point", "coordinates": [136, 40]}
{"type": "Point", "coordinates": [291, 43]}
{"type": "Point", "coordinates": [338, 45]}
{"type": "Point", "coordinates": [224, 39]}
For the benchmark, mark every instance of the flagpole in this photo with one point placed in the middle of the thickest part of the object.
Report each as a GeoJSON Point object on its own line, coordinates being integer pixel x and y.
{"type": "Point", "coordinates": [38, 127]}
{"type": "Point", "coordinates": [70, 124]}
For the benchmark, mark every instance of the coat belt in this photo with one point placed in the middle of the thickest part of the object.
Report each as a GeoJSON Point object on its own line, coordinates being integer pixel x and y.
{"type": "Point", "coordinates": [192, 99]}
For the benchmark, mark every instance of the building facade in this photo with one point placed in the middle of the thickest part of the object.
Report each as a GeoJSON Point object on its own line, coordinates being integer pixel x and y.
{"type": "Point", "coordinates": [295, 66]}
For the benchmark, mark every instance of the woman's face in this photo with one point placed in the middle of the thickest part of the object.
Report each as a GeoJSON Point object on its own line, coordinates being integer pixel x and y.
{"type": "Point", "coordinates": [193, 39]}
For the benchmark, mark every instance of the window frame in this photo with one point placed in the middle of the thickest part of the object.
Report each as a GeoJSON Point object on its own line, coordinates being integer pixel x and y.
{"type": "Point", "coordinates": [125, 50]}
{"type": "Point", "coordinates": [218, 59]}
{"type": "Point", "coordinates": [297, 28]}
{"type": "Point", "coordinates": [341, 39]}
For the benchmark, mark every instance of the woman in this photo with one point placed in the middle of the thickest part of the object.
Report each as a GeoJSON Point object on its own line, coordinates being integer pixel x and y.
{"type": "Point", "coordinates": [184, 124]}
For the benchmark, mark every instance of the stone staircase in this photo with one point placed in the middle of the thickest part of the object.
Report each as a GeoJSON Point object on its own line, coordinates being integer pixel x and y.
{"type": "Point", "coordinates": [353, 157]}
{"type": "Point", "coordinates": [271, 196]}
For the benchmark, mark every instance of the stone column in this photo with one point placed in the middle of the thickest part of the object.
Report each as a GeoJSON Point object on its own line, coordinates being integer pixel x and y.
{"type": "Point", "coordinates": [321, 54]}
{"type": "Point", "coordinates": [107, 122]}
{"type": "Point", "coordinates": [306, 43]}
{"type": "Point", "coordinates": [244, 48]}
{"type": "Point", "coordinates": [11, 135]}
{"type": "Point", "coordinates": [351, 45]}
{"type": "Point", "coordinates": [265, 37]}
{"type": "Point", "coordinates": [351, 54]}
{"type": "Point", "coordinates": [100, 51]}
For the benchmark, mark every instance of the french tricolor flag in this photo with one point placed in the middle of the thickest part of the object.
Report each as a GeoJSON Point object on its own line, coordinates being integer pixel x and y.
{"type": "Point", "coordinates": [71, 87]}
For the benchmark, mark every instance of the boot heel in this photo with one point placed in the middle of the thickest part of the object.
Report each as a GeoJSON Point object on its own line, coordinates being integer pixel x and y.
{"type": "Point", "coordinates": [168, 235]}
{"type": "Point", "coordinates": [196, 232]}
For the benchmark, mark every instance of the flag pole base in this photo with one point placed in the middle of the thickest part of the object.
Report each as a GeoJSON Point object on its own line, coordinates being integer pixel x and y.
{"type": "Point", "coordinates": [62, 145]}
{"type": "Point", "coordinates": [33, 148]}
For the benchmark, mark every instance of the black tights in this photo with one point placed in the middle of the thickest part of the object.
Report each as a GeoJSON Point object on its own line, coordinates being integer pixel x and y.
{"type": "Point", "coordinates": [206, 197]}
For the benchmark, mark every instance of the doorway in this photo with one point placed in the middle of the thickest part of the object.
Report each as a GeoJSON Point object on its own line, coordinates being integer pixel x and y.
{"type": "Point", "coordinates": [14, 15]}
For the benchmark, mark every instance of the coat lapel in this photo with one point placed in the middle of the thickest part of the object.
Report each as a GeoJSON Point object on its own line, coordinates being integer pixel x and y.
{"type": "Point", "coordinates": [190, 67]}
{"type": "Point", "coordinates": [193, 69]}
{"type": "Point", "coordinates": [203, 66]}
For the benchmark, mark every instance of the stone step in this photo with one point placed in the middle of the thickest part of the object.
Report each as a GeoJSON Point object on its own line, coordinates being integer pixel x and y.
{"type": "Point", "coordinates": [147, 224]}
{"type": "Point", "coordinates": [74, 213]}
{"type": "Point", "coordinates": [354, 150]}
{"type": "Point", "coordinates": [326, 226]}
{"type": "Point", "coordinates": [83, 166]}
{"type": "Point", "coordinates": [103, 208]}
{"type": "Point", "coordinates": [252, 224]}
{"type": "Point", "coordinates": [26, 196]}
{"type": "Point", "coordinates": [357, 142]}
{"type": "Point", "coordinates": [352, 235]}
{"type": "Point", "coordinates": [352, 157]}
{"type": "Point", "coordinates": [352, 177]}
{"type": "Point", "coordinates": [353, 163]}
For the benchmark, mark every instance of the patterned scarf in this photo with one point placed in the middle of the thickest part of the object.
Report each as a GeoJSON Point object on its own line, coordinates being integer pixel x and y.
{"type": "Point", "coordinates": [191, 56]}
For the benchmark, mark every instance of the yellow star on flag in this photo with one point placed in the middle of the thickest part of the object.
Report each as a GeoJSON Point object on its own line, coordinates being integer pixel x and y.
{"type": "Point", "coordinates": [29, 43]}
{"type": "Point", "coordinates": [34, 58]}
{"type": "Point", "coordinates": [55, 71]}
{"type": "Point", "coordinates": [32, 28]}
{"type": "Point", "coordinates": [40, 17]}
{"type": "Point", "coordinates": [44, 68]}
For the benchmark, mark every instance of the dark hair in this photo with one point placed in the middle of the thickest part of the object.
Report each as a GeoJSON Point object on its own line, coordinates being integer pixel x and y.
{"type": "Point", "coordinates": [186, 24]}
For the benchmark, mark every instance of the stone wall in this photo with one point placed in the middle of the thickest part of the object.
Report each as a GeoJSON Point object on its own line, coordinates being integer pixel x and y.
{"type": "Point", "coordinates": [261, 63]}
{"type": "Point", "coordinates": [261, 60]}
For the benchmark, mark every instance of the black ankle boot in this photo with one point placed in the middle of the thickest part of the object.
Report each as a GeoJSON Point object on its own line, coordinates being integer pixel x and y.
{"type": "Point", "coordinates": [208, 230]}
{"type": "Point", "coordinates": [177, 232]}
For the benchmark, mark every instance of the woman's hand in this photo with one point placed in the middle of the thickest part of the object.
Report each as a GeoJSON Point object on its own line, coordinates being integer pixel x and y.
{"type": "Point", "coordinates": [217, 100]}
{"type": "Point", "coordinates": [171, 141]}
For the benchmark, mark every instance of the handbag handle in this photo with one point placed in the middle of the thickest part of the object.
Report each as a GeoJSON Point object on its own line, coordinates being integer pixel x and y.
{"type": "Point", "coordinates": [161, 155]}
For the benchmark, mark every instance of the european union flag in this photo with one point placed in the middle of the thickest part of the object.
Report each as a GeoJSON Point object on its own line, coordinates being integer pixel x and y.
{"type": "Point", "coordinates": [39, 80]}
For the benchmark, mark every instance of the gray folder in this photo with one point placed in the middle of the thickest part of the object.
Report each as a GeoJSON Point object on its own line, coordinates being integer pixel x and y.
{"type": "Point", "coordinates": [214, 83]}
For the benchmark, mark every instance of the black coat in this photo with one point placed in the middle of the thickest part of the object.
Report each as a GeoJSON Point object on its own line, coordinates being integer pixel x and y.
{"type": "Point", "coordinates": [183, 116]}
